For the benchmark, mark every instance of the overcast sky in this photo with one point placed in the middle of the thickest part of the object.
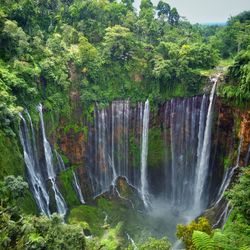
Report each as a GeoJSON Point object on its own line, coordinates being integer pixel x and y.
{"type": "Point", "coordinates": [207, 11]}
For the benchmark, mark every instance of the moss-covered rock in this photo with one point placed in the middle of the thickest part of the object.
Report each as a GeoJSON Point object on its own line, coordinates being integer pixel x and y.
{"type": "Point", "coordinates": [155, 148]}
{"type": "Point", "coordinates": [11, 160]}
{"type": "Point", "coordinates": [67, 188]}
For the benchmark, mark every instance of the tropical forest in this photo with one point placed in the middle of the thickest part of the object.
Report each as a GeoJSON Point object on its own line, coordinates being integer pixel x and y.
{"type": "Point", "coordinates": [123, 127]}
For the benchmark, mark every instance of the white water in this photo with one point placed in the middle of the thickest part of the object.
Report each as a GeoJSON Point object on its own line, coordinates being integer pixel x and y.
{"type": "Point", "coordinates": [36, 182]}
{"type": "Point", "coordinates": [132, 242]}
{"type": "Point", "coordinates": [78, 189]}
{"type": "Point", "coordinates": [247, 155]}
{"type": "Point", "coordinates": [60, 162]}
{"type": "Point", "coordinates": [202, 168]}
{"type": "Point", "coordinates": [201, 131]}
{"type": "Point", "coordinates": [60, 203]}
{"type": "Point", "coordinates": [223, 216]}
{"type": "Point", "coordinates": [228, 175]}
{"type": "Point", "coordinates": [144, 155]}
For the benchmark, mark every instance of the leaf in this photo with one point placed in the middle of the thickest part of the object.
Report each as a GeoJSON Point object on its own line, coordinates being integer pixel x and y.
{"type": "Point", "coordinates": [202, 241]}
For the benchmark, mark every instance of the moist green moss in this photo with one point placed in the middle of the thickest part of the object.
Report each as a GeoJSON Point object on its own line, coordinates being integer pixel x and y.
{"type": "Point", "coordinates": [11, 159]}
{"type": "Point", "coordinates": [67, 188]}
{"type": "Point", "coordinates": [91, 214]}
{"type": "Point", "coordinates": [135, 152]}
{"type": "Point", "coordinates": [155, 148]}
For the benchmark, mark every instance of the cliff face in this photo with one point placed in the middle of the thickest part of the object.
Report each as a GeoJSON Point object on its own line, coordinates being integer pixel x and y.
{"type": "Point", "coordinates": [245, 133]}
{"type": "Point", "coordinates": [72, 145]}
{"type": "Point", "coordinates": [85, 139]}
{"type": "Point", "coordinates": [78, 144]}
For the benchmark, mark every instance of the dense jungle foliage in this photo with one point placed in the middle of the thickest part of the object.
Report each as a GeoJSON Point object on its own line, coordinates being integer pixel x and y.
{"type": "Point", "coordinates": [53, 51]}
{"type": "Point", "coordinates": [103, 50]}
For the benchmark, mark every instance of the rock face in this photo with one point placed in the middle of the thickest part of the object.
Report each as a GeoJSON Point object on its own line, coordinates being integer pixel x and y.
{"type": "Point", "coordinates": [245, 133]}
{"type": "Point", "coordinates": [72, 144]}
{"type": "Point", "coordinates": [108, 144]}
{"type": "Point", "coordinates": [123, 192]}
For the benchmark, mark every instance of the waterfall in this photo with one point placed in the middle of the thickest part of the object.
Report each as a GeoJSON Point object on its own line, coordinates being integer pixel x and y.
{"type": "Point", "coordinates": [120, 137]}
{"type": "Point", "coordinates": [247, 155]}
{"type": "Point", "coordinates": [61, 165]}
{"type": "Point", "coordinates": [201, 131]}
{"type": "Point", "coordinates": [223, 216]}
{"type": "Point", "coordinates": [60, 203]}
{"type": "Point", "coordinates": [37, 184]}
{"type": "Point", "coordinates": [132, 242]}
{"type": "Point", "coordinates": [229, 174]}
{"type": "Point", "coordinates": [75, 180]}
{"type": "Point", "coordinates": [109, 145]}
{"type": "Point", "coordinates": [202, 168]}
{"type": "Point", "coordinates": [182, 118]}
{"type": "Point", "coordinates": [144, 156]}
{"type": "Point", "coordinates": [78, 189]}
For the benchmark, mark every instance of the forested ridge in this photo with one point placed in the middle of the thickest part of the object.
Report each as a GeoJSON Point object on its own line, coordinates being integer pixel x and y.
{"type": "Point", "coordinates": [56, 51]}
{"type": "Point", "coordinates": [105, 51]}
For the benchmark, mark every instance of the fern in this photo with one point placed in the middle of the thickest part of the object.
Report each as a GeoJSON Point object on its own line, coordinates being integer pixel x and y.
{"type": "Point", "coordinates": [220, 240]}
{"type": "Point", "coordinates": [244, 248]}
{"type": "Point", "coordinates": [202, 241]}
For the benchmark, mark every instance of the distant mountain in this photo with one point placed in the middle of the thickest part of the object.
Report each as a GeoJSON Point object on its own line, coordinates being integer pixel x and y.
{"type": "Point", "coordinates": [214, 24]}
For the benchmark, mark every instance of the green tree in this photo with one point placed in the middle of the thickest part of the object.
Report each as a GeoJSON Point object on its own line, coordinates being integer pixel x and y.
{"type": "Point", "coordinates": [155, 244]}
{"type": "Point", "coordinates": [119, 44]}
{"type": "Point", "coordinates": [129, 4]}
{"type": "Point", "coordinates": [163, 9]}
{"type": "Point", "coordinates": [11, 189]}
{"type": "Point", "coordinates": [185, 232]}
{"type": "Point", "coordinates": [174, 17]}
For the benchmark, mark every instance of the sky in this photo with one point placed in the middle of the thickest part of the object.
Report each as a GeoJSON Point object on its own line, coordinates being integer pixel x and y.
{"type": "Point", "coordinates": [207, 11]}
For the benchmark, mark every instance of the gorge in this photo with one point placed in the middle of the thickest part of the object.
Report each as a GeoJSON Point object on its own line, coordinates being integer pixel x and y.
{"type": "Point", "coordinates": [179, 186]}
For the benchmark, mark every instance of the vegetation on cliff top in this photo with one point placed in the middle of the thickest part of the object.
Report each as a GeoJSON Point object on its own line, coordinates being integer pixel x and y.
{"type": "Point", "coordinates": [99, 51]}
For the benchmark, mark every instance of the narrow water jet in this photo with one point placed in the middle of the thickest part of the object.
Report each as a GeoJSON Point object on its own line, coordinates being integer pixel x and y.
{"type": "Point", "coordinates": [60, 203]}
{"type": "Point", "coordinates": [202, 169]}
{"type": "Point", "coordinates": [78, 189]}
{"type": "Point", "coordinates": [144, 156]}
{"type": "Point", "coordinates": [35, 178]}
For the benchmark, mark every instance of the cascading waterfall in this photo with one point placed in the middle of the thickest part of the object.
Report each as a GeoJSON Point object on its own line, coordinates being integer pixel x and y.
{"type": "Point", "coordinates": [109, 142]}
{"type": "Point", "coordinates": [187, 136]}
{"type": "Point", "coordinates": [60, 163]}
{"type": "Point", "coordinates": [182, 119]}
{"type": "Point", "coordinates": [35, 178]}
{"type": "Point", "coordinates": [132, 242]}
{"type": "Point", "coordinates": [78, 189]}
{"type": "Point", "coordinates": [75, 179]}
{"type": "Point", "coordinates": [202, 168]}
{"type": "Point", "coordinates": [120, 128]}
{"type": "Point", "coordinates": [144, 156]}
{"type": "Point", "coordinates": [247, 155]}
{"type": "Point", "coordinates": [201, 130]}
{"type": "Point", "coordinates": [224, 186]}
{"type": "Point", "coordinates": [118, 146]}
{"type": "Point", "coordinates": [223, 216]}
{"type": "Point", "coordinates": [60, 203]}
